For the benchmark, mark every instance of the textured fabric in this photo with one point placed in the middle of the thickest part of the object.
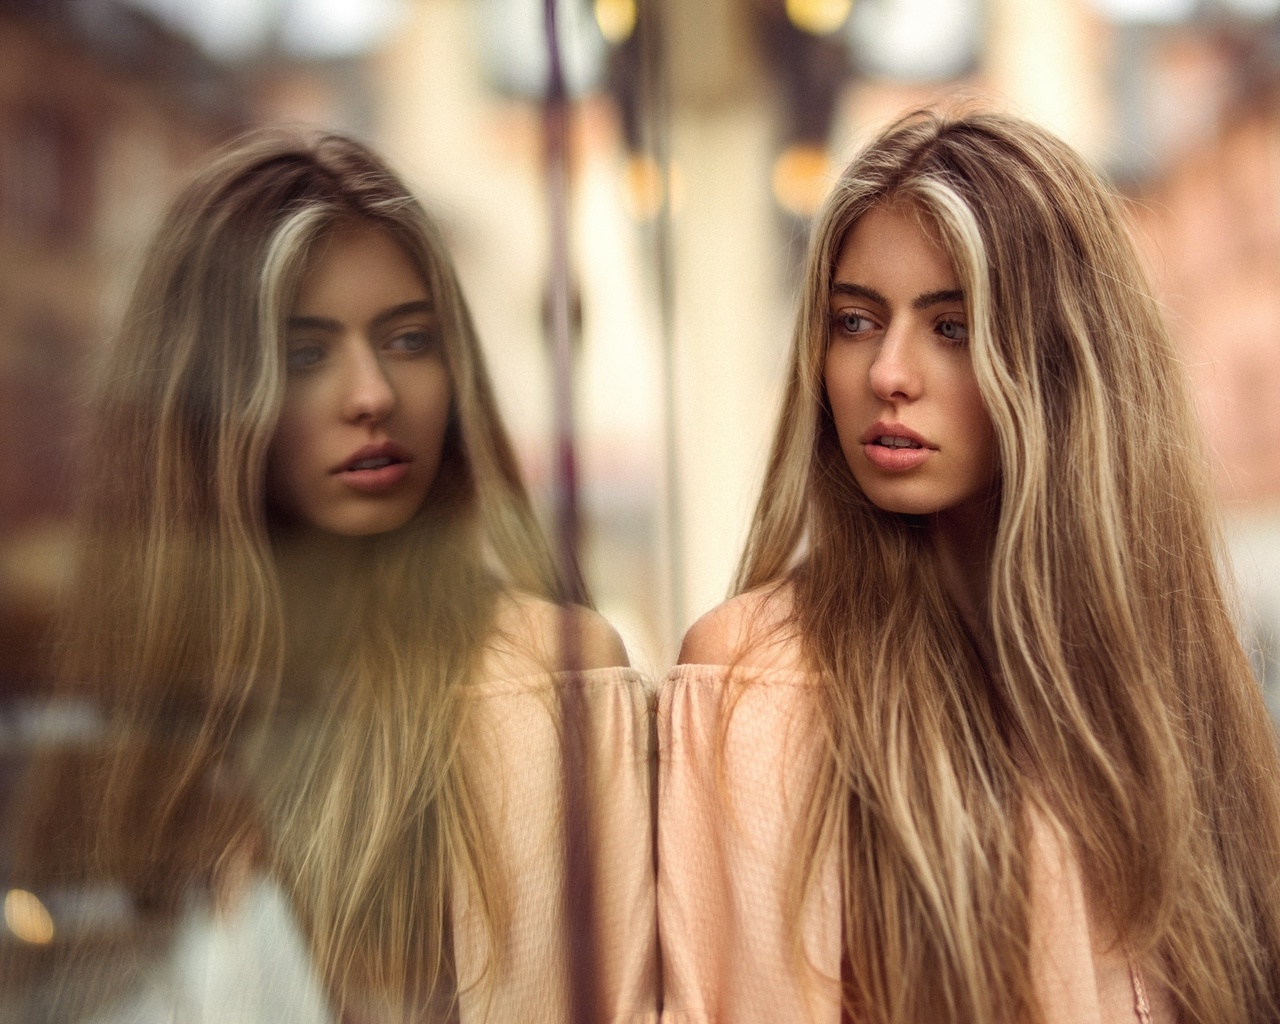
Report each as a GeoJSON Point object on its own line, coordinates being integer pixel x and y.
{"type": "Point", "coordinates": [247, 962]}
{"type": "Point", "coordinates": [737, 760]}
{"type": "Point", "coordinates": [517, 757]}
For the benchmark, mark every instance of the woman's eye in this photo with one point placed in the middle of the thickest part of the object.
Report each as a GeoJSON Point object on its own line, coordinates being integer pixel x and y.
{"type": "Point", "coordinates": [302, 357]}
{"type": "Point", "coordinates": [954, 331]}
{"type": "Point", "coordinates": [849, 322]}
{"type": "Point", "coordinates": [411, 341]}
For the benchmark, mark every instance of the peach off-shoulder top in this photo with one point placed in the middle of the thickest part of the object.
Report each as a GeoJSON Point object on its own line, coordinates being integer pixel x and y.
{"type": "Point", "coordinates": [517, 755]}
{"type": "Point", "coordinates": [726, 824]}
{"type": "Point", "coordinates": [248, 962]}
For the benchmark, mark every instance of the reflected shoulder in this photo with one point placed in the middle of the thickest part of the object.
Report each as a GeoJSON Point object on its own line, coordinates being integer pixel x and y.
{"type": "Point", "coordinates": [754, 629]}
{"type": "Point", "coordinates": [529, 632]}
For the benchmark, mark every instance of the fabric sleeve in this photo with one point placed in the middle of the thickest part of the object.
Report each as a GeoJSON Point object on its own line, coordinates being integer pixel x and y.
{"type": "Point", "coordinates": [515, 766]}
{"type": "Point", "coordinates": [737, 756]}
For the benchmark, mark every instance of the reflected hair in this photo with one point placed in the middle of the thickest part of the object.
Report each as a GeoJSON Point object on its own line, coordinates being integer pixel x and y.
{"type": "Point", "coordinates": [265, 709]}
{"type": "Point", "coordinates": [1104, 692]}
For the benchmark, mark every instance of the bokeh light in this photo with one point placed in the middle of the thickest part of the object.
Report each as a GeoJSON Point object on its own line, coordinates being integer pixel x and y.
{"type": "Point", "coordinates": [645, 188]}
{"type": "Point", "coordinates": [820, 17]}
{"type": "Point", "coordinates": [617, 19]}
{"type": "Point", "coordinates": [801, 177]}
{"type": "Point", "coordinates": [28, 919]}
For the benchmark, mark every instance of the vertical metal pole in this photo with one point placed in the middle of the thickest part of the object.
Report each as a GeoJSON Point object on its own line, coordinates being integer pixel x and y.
{"type": "Point", "coordinates": [653, 68]}
{"type": "Point", "coordinates": [560, 290]}
{"type": "Point", "coordinates": [575, 738]}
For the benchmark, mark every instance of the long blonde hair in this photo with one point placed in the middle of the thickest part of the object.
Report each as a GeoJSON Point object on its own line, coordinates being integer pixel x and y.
{"type": "Point", "coordinates": [290, 712]}
{"type": "Point", "coordinates": [1108, 693]}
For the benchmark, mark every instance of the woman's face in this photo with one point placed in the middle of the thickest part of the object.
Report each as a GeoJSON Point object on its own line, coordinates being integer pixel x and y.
{"type": "Point", "coordinates": [898, 374]}
{"type": "Point", "coordinates": [367, 392]}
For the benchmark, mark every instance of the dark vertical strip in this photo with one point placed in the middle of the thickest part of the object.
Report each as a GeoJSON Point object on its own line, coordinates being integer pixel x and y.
{"type": "Point", "coordinates": [560, 296]}
{"type": "Point", "coordinates": [655, 139]}
{"type": "Point", "coordinates": [652, 26]}
{"type": "Point", "coordinates": [579, 870]}
{"type": "Point", "coordinates": [575, 742]}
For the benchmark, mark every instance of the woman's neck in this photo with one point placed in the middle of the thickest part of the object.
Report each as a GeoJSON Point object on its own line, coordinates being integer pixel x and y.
{"type": "Point", "coordinates": [322, 585]}
{"type": "Point", "coordinates": [318, 555]}
{"type": "Point", "coordinates": [964, 545]}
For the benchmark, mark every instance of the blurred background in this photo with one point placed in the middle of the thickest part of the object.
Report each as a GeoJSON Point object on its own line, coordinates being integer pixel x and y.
{"type": "Point", "coordinates": [703, 134]}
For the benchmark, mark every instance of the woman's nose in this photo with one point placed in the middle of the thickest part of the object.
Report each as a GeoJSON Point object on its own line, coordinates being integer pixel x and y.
{"type": "Point", "coordinates": [895, 373]}
{"type": "Point", "coordinates": [369, 394]}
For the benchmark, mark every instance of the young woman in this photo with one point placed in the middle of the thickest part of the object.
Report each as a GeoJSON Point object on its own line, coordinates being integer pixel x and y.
{"type": "Point", "coordinates": [321, 625]}
{"type": "Point", "coordinates": [976, 740]}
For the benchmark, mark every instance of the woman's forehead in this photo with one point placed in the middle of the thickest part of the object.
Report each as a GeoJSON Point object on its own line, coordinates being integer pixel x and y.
{"type": "Point", "coordinates": [901, 206]}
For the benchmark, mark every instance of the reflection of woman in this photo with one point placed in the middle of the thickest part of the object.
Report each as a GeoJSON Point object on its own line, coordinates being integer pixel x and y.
{"type": "Point", "coordinates": [316, 607]}
{"type": "Point", "coordinates": [976, 740]}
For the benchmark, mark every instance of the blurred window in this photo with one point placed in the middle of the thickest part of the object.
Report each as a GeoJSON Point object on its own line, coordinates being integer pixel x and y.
{"type": "Point", "coordinates": [46, 176]}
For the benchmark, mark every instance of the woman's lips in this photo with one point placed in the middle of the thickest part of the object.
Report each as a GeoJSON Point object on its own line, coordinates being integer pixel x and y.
{"type": "Point", "coordinates": [375, 467]}
{"type": "Point", "coordinates": [894, 447]}
{"type": "Point", "coordinates": [895, 460]}
{"type": "Point", "coordinates": [375, 480]}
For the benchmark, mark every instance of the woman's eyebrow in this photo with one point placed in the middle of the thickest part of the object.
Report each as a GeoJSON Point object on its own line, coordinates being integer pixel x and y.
{"type": "Point", "coordinates": [922, 302]}
{"type": "Point", "coordinates": [858, 291]}
{"type": "Point", "coordinates": [403, 309]}
{"type": "Point", "coordinates": [312, 323]}
{"type": "Point", "coordinates": [323, 323]}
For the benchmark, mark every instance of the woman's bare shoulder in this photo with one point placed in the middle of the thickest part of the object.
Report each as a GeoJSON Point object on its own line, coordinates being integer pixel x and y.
{"type": "Point", "coordinates": [756, 629]}
{"type": "Point", "coordinates": [533, 635]}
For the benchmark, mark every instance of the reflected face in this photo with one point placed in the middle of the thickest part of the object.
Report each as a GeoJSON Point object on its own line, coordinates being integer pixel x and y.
{"type": "Point", "coordinates": [367, 391]}
{"type": "Point", "coordinates": [898, 373]}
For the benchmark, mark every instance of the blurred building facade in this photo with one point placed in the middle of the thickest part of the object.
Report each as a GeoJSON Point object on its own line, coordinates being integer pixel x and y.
{"type": "Point", "coordinates": [1207, 212]}
{"type": "Point", "coordinates": [101, 111]}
